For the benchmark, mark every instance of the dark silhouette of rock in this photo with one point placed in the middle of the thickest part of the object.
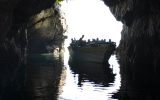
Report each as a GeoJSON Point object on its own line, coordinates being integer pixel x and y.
{"type": "Point", "coordinates": [138, 51]}
{"type": "Point", "coordinates": [14, 15]}
{"type": "Point", "coordinates": [139, 47]}
{"type": "Point", "coordinates": [46, 33]}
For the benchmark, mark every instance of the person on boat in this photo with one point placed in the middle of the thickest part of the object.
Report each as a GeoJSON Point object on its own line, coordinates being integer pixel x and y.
{"type": "Point", "coordinates": [81, 38]}
{"type": "Point", "coordinates": [80, 41]}
{"type": "Point", "coordinates": [72, 40]}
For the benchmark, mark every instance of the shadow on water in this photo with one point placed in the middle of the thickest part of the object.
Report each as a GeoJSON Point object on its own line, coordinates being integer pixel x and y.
{"type": "Point", "coordinates": [43, 76]}
{"type": "Point", "coordinates": [98, 74]}
{"type": "Point", "coordinates": [135, 88]}
{"type": "Point", "coordinates": [48, 79]}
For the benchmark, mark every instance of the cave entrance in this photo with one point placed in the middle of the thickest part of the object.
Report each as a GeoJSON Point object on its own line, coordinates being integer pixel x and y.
{"type": "Point", "coordinates": [83, 17]}
{"type": "Point", "coordinates": [91, 18]}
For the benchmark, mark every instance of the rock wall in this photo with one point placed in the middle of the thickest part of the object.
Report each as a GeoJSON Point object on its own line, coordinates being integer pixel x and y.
{"type": "Point", "coordinates": [140, 43]}
{"type": "Point", "coordinates": [138, 50]}
{"type": "Point", "coordinates": [45, 33]}
{"type": "Point", "coordinates": [14, 15]}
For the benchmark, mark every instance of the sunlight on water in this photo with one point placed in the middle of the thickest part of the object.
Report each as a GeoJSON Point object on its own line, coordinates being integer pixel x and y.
{"type": "Point", "coordinates": [93, 19]}
{"type": "Point", "coordinates": [89, 90]}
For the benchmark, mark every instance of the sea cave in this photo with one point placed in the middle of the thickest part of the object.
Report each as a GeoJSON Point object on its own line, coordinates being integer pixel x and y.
{"type": "Point", "coordinates": [33, 27]}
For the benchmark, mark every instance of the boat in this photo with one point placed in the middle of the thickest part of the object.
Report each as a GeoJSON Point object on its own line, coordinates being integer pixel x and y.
{"type": "Point", "coordinates": [98, 51]}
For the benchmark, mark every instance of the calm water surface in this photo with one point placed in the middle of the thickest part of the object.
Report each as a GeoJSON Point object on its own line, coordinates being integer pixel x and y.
{"type": "Point", "coordinates": [90, 81]}
{"type": "Point", "coordinates": [52, 79]}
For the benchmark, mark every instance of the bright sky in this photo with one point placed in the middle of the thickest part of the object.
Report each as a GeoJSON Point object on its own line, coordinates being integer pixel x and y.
{"type": "Point", "coordinates": [91, 18]}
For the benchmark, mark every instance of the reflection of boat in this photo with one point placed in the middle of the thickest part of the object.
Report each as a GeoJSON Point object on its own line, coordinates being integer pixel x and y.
{"type": "Point", "coordinates": [97, 73]}
{"type": "Point", "coordinates": [98, 51]}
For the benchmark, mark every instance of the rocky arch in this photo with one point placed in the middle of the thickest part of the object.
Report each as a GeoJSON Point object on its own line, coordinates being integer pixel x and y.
{"type": "Point", "coordinates": [138, 50]}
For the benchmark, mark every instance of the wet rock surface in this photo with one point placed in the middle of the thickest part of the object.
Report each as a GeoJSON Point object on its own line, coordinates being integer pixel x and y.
{"type": "Point", "coordinates": [45, 33]}
{"type": "Point", "coordinates": [139, 46]}
{"type": "Point", "coordinates": [14, 15]}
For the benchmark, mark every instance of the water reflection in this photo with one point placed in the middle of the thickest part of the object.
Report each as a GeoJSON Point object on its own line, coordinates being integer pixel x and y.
{"type": "Point", "coordinates": [95, 73]}
{"type": "Point", "coordinates": [43, 76]}
{"type": "Point", "coordinates": [90, 81]}
{"type": "Point", "coordinates": [48, 78]}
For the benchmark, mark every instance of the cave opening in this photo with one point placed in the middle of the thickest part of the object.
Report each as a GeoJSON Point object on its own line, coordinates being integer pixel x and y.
{"type": "Point", "coordinates": [32, 29]}
{"type": "Point", "coordinates": [91, 18]}
{"type": "Point", "coordinates": [33, 34]}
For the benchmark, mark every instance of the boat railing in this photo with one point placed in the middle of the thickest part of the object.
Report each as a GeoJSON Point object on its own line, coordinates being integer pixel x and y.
{"type": "Point", "coordinates": [93, 43]}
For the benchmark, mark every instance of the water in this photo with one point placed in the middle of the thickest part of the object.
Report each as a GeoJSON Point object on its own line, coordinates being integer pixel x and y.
{"type": "Point", "coordinates": [49, 78]}
{"type": "Point", "coordinates": [96, 82]}
{"type": "Point", "coordinates": [43, 76]}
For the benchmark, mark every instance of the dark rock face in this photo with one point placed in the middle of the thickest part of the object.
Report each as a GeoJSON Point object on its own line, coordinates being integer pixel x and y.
{"type": "Point", "coordinates": [14, 15]}
{"type": "Point", "coordinates": [46, 32]}
{"type": "Point", "coordinates": [140, 44]}
{"type": "Point", "coordinates": [138, 50]}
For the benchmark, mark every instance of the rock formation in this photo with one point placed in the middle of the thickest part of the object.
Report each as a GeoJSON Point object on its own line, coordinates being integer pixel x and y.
{"type": "Point", "coordinates": [14, 16]}
{"type": "Point", "coordinates": [140, 43]}
{"type": "Point", "coordinates": [45, 32]}
{"type": "Point", "coordinates": [138, 50]}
